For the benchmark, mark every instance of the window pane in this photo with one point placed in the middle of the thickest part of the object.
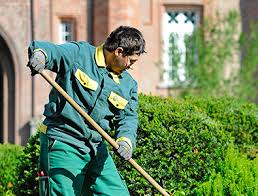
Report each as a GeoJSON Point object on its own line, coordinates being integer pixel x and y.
{"type": "Point", "coordinates": [177, 25]}
{"type": "Point", "coordinates": [66, 31]}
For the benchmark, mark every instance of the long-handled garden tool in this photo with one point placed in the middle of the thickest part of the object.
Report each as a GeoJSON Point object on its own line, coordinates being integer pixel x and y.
{"type": "Point", "coordinates": [101, 131]}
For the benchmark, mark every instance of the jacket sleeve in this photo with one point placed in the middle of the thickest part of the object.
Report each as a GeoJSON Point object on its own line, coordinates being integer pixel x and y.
{"type": "Point", "coordinates": [126, 125]}
{"type": "Point", "coordinates": [59, 58]}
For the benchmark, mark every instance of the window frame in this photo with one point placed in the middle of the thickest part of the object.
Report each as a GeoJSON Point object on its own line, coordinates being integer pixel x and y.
{"type": "Point", "coordinates": [169, 83]}
{"type": "Point", "coordinates": [72, 22]}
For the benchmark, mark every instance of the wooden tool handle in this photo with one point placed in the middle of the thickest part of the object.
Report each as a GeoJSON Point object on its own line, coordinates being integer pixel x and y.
{"type": "Point", "coordinates": [101, 131]}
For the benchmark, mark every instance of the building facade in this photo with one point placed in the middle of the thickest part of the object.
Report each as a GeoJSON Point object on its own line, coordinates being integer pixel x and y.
{"type": "Point", "coordinates": [21, 21]}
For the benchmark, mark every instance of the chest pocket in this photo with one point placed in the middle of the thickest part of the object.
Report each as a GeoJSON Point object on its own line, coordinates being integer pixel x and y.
{"type": "Point", "coordinates": [85, 80]}
{"type": "Point", "coordinates": [118, 101]}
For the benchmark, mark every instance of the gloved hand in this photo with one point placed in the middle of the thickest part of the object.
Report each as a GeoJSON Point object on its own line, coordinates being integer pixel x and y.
{"type": "Point", "coordinates": [124, 150]}
{"type": "Point", "coordinates": [37, 62]}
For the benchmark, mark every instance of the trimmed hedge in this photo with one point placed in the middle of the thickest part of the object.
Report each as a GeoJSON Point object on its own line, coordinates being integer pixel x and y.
{"type": "Point", "coordinates": [237, 117]}
{"type": "Point", "coordinates": [9, 155]}
{"type": "Point", "coordinates": [178, 144]}
{"type": "Point", "coordinates": [239, 176]}
{"type": "Point", "coordinates": [181, 143]}
{"type": "Point", "coordinates": [27, 183]}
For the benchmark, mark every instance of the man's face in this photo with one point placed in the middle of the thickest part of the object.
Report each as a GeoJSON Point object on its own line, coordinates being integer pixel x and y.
{"type": "Point", "coordinates": [121, 62]}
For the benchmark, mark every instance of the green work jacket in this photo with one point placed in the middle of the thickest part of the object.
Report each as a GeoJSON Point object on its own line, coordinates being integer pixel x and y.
{"type": "Point", "coordinates": [111, 100]}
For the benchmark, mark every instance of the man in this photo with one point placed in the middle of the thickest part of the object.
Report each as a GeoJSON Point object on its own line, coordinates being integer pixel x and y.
{"type": "Point", "coordinates": [74, 159]}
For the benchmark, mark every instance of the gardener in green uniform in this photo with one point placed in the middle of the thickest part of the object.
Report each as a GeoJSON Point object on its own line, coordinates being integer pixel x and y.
{"type": "Point", "coordinates": [74, 159]}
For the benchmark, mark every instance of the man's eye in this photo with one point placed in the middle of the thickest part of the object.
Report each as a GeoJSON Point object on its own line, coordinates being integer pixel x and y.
{"type": "Point", "coordinates": [132, 61]}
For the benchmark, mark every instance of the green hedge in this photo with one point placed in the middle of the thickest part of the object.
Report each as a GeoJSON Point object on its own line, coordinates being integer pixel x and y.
{"type": "Point", "coordinates": [27, 183]}
{"type": "Point", "coordinates": [181, 143]}
{"type": "Point", "coordinates": [237, 117]}
{"type": "Point", "coordinates": [239, 176]}
{"type": "Point", "coordinates": [9, 155]}
{"type": "Point", "coordinates": [178, 144]}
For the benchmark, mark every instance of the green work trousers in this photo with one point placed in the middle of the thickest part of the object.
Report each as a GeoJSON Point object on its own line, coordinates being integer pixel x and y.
{"type": "Point", "coordinates": [70, 172]}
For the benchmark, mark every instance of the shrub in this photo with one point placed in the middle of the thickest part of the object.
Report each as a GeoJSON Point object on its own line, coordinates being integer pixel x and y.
{"type": "Point", "coordinates": [181, 143]}
{"type": "Point", "coordinates": [27, 183]}
{"type": "Point", "coordinates": [9, 154]}
{"type": "Point", "coordinates": [239, 176]}
{"type": "Point", "coordinates": [178, 144]}
{"type": "Point", "coordinates": [237, 117]}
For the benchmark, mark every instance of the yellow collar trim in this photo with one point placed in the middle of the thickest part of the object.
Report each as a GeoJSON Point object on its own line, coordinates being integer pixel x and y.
{"type": "Point", "coordinates": [100, 60]}
{"type": "Point", "coordinates": [99, 56]}
{"type": "Point", "coordinates": [115, 77]}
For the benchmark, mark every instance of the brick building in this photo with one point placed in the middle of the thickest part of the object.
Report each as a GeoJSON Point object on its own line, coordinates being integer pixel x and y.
{"type": "Point", "coordinates": [22, 97]}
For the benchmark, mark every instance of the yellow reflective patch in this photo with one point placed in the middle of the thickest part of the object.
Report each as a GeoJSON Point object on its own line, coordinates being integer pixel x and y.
{"type": "Point", "coordinates": [118, 101]}
{"type": "Point", "coordinates": [85, 80]}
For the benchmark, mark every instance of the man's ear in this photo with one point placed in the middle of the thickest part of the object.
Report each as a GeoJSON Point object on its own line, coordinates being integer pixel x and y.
{"type": "Point", "coordinates": [119, 51]}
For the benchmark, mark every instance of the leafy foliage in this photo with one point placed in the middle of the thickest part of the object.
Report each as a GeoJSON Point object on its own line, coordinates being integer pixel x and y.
{"type": "Point", "coordinates": [209, 49]}
{"type": "Point", "coordinates": [237, 117]}
{"type": "Point", "coordinates": [248, 82]}
{"type": "Point", "coordinates": [9, 154]}
{"type": "Point", "coordinates": [212, 57]}
{"type": "Point", "coordinates": [27, 183]}
{"type": "Point", "coordinates": [238, 176]}
{"type": "Point", "coordinates": [178, 144]}
{"type": "Point", "coordinates": [181, 144]}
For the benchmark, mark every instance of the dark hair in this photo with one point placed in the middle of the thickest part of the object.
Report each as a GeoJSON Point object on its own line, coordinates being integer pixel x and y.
{"type": "Point", "coordinates": [129, 38]}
